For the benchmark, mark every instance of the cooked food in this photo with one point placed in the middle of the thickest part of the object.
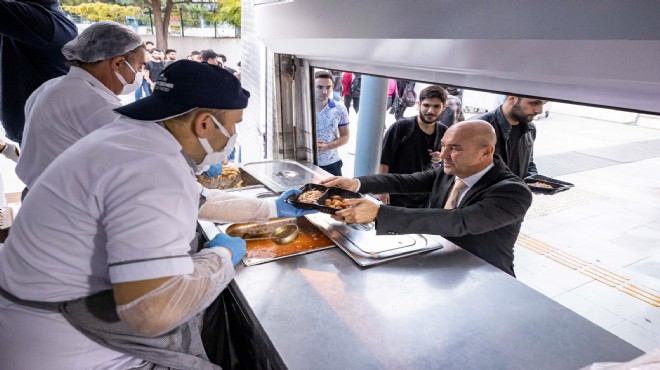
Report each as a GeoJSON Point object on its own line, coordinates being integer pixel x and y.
{"type": "Point", "coordinates": [541, 185]}
{"type": "Point", "coordinates": [336, 202]}
{"type": "Point", "coordinates": [310, 196]}
{"type": "Point", "coordinates": [230, 178]}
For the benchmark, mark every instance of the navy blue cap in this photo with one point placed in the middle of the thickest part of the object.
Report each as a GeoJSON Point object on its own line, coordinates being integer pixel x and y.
{"type": "Point", "coordinates": [185, 85]}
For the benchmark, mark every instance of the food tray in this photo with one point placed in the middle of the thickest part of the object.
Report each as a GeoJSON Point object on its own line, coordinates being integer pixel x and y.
{"type": "Point", "coordinates": [310, 239]}
{"type": "Point", "coordinates": [557, 185]}
{"type": "Point", "coordinates": [320, 202]}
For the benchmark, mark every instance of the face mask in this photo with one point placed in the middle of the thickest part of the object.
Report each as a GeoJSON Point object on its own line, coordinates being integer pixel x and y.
{"type": "Point", "coordinates": [137, 82]}
{"type": "Point", "coordinates": [213, 157]}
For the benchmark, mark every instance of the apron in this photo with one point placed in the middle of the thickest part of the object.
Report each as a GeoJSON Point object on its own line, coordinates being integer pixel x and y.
{"type": "Point", "coordinates": [96, 317]}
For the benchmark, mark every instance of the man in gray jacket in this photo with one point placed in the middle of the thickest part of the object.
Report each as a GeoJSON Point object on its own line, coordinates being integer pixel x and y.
{"type": "Point", "coordinates": [476, 202]}
{"type": "Point", "coordinates": [516, 132]}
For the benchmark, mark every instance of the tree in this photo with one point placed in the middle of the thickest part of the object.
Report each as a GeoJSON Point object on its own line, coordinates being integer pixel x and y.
{"type": "Point", "coordinates": [229, 12]}
{"type": "Point", "coordinates": [103, 12]}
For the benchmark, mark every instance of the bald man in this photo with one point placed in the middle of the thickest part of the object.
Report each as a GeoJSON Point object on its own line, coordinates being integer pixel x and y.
{"type": "Point", "coordinates": [476, 201]}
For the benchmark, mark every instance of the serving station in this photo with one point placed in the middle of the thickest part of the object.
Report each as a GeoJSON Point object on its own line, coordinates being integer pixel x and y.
{"type": "Point", "coordinates": [437, 308]}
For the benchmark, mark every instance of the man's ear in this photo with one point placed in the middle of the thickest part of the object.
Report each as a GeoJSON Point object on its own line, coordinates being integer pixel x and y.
{"type": "Point", "coordinates": [202, 124]}
{"type": "Point", "coordinates": [116, 62]}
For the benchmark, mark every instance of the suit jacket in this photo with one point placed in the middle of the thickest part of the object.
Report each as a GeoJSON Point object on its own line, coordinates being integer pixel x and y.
{"type": "Point", "coordinates": [486, 222]}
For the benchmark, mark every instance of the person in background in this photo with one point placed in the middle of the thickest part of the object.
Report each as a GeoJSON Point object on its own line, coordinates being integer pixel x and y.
{"type": "Point", "coordinates": [401, 86]}
{"type": "Point", "coordinates": [110, 236]}
{"type": "Point", "coordinates": [238, 71]}
{"type": "Point", "coordinates": [476, 202]}
{"type": "Point", "coordinates": [224, 65]}
{"type": "Point", "coordinates": [170, 55]}
{"type": "Point", "coordinates": [336, 85]}
{"type": "Point", "coordinates": [391, 93]}
{"type": "Point", "coordinates": [516, 132]}
{"type": "Point", "coordinates": [150, 46]}
{"type": "Point", "coordinates": [106, 60]}
{"type": "Point", "coordinates": [196, 56]}
{"type": "Point", "coordinates": [351, 90]}
{"type": "Point", "coordinates": [455, 105]}
{"type": "Point", "coordinates": [144, 89]}
{"type": "Point", "coordinates": [210, 57]}
{"type": "Point", "coordinates": [332, 122]}
{"type": "Point", "coordinates": [154, 67]}
{"type": "Point", "coordinates": [412, 144]}
{"type": "Point", "coordinates": [32, 33]}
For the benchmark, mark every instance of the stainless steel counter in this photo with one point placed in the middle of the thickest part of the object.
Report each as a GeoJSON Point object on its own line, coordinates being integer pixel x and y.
{"type": "Point", "coordinates": [443, 309]}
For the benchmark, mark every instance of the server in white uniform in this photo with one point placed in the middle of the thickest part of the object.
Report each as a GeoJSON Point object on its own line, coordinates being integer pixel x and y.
{"type": "Point", "coordinates": [115, 214]}
{"type": "Point", "coordinates": [107, 60]}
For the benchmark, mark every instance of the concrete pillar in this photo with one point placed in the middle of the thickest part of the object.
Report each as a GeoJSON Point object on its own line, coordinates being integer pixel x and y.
{"type": "Point", "coordinates": [371, 125]}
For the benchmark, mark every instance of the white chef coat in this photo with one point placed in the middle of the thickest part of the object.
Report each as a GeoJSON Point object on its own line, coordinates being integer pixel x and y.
{"type": "Point", "coordinates": [59, 113]}
{"type": "Point", "coordinates": [127, 211]}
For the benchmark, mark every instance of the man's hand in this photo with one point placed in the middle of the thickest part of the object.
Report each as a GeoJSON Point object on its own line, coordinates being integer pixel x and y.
{"type": "Point", "coordinates": [385, 198]}
{"type": "Point", "coordinates": [322, 146]}
{"type": "Point", "coordinates": [435, 157]}
{"type": "Point", "coordinates": [359, 211]}
{"type": "Point", "coordinates": [341, 182]}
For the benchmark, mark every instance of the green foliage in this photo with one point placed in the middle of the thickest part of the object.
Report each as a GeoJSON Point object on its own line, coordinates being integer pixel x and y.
{"type": "Point", "coordinates": [103, 12]}
{"type": "Point", "coordinates": [229, 11]}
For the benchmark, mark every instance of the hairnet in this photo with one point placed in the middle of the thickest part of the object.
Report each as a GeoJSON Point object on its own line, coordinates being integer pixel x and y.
{"type": "Point", "coordinates": [100, 41]}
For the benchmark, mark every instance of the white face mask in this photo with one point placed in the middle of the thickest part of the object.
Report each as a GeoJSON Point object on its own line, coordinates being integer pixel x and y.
{"type": "Point", "coordinates": [213, 157]}
{"type": "Point", "coordinates": [137, 82]}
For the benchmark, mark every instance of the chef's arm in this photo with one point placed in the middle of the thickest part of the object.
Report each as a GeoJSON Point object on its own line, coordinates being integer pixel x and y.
{"type": "Point", "coordinates": [156, 306]}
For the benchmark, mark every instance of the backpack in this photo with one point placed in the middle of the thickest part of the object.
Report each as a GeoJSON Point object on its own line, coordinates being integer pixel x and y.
{"type": "Point", "coordinates": [355, 86]}
{"type": "Point", "coordinates": [409, 96]}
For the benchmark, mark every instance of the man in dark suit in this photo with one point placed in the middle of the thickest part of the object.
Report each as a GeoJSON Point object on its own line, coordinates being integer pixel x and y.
{"type": "Point", "coordinates": [489, 203]}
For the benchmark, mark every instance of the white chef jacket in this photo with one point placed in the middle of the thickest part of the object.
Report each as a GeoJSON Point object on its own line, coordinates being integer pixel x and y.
{"type": "Point", "coordinates": [59, 113]}
{"type": "Point", "coordinates": [126, 212]}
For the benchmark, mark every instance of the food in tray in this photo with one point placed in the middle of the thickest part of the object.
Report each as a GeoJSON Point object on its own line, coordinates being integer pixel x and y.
{"type": "Point", "coordinates": [540, 185]}
{"type": "Point", "coordinates": [230, 178]}
{"type": "Point", "coordinates": [336, 202]}
{"type": "Point", "coordinates": [310, 196]}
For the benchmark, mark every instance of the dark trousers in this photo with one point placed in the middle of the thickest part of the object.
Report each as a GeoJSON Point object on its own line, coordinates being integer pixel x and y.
{"type": "Point", "coordinates": [347, 103]}
{"type": "Point", "coordinates": [334, 168]}
{"type": "Point", "coordinates": [399, 112]}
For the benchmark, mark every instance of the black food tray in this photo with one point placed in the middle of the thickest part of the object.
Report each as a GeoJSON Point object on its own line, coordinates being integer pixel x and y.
{"type": "Point", "coordinates": [557, 185]}
{"type": "Point", "coordinates": [320, 202]}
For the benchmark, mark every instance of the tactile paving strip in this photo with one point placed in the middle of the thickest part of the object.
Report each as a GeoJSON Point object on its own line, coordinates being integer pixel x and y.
{"type": "Point", "coordinates": [543, 204]}
{"type": "Point", "coordinates": [595, 272]}
{"type": "Point", "coordinates": [559, 164]}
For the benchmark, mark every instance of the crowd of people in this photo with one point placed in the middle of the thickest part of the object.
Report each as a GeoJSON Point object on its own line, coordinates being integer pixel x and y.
{"type": "Point", "coordinates": [111, 201]}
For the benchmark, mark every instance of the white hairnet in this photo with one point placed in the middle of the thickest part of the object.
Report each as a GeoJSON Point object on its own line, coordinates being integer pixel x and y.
{"type": "Point", "coordinates": [100, 41]}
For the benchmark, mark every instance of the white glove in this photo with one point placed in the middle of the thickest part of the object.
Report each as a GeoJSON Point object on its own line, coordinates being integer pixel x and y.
{"type": "Point", "coordinates": [226, 207]}
{"type": "Point", "coordinates": [181, 297]}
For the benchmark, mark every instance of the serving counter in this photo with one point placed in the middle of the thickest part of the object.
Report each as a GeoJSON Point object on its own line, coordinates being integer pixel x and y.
{"type": "Point", "coordinates": [444, 309]}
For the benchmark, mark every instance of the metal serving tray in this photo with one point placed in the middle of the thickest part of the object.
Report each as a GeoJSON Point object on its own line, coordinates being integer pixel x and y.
{"type": "Point", "coordinates": [363, 246]}
{"type": "Point", "coordinates": [282, 175]}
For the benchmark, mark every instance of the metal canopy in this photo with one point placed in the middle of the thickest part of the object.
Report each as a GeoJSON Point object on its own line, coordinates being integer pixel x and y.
{"type": "Point", "coordinates": [600, 52]}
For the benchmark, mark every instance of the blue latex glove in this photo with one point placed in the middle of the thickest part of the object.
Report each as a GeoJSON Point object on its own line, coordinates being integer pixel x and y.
{"type": "Point", "coordinates": [288, 210]}
{"type": "Point", "coordinates": [235, 245]}
{"type": "Point", "coordinates": [214, 171]}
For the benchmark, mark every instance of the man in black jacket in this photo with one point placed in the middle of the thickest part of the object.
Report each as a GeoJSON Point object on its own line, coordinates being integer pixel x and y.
{"type": "Point", "coordinates": [489, 202]}
{"type": "Point", "coordinates": [516, 133]}
{"type": "Point", "coordinates": [412, 144]}
{"type": "Point", "coordinates": [32, 32]}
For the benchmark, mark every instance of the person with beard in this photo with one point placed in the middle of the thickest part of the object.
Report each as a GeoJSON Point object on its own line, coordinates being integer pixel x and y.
{"type": "Point", "coordinates": [32, 32]}
{"type": "Point", "coordinates": [412, 144]}
{"type": "Point", "coordinates": [154, 67]}
{"type": "Point", "coordinates": [476, 202]}
{"type": "Point", "coordinates": [516, 132]}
